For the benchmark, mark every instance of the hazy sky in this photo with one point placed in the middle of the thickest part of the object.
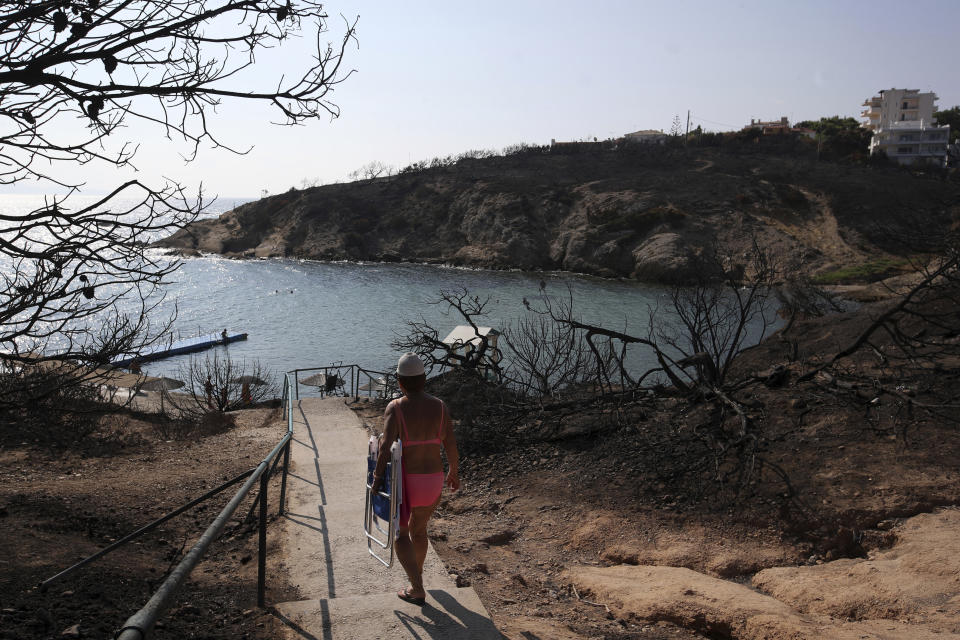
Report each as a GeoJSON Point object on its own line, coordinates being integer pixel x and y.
{"type": "Point", "coordinates": [441, 77]}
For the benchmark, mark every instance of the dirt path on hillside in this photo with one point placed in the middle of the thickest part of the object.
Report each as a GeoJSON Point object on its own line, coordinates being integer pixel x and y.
{"type": "Point", "coordinates": [820, 231]}
{"type": "Point", "coordinates": [706, 165]}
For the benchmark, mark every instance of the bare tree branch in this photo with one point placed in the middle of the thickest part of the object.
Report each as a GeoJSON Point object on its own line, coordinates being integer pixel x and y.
{"type": "Point", "coordinates": [77, 284]}
{"type": "Point", "coordinates": [939, 280]}
{"type": "Point", "coordinates": [476, 352]}
{"type": "Point", "coordinates": [89, 67]}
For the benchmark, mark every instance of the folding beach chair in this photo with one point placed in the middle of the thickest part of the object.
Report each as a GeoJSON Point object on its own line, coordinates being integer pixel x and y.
{"type": "Point", "coordinates": [381, 514]}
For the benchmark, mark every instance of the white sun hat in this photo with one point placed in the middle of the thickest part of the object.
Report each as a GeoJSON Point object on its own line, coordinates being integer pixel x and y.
{"type": "Point", "coordinates": [410, 365]}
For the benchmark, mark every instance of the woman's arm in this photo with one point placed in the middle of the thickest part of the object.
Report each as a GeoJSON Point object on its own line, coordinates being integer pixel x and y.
{"type": "Point", "coordinates": [453, 456]}
{"type": "Point", "coordinates": [390, 432]}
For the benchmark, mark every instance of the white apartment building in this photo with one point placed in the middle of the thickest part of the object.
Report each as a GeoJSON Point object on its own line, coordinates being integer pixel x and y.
{"type": "Point", "coordinates": [904, 127]}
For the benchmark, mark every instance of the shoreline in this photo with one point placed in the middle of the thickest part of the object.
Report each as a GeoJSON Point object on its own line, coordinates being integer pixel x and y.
{"type": "Point", "coordinates": [194, 254]}
{"type": "Point", "coordinates": [839, 288]}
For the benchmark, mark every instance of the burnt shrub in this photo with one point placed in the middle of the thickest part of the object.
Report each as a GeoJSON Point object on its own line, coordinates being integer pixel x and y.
{"type": "Point", "coordinates": [41, 408]}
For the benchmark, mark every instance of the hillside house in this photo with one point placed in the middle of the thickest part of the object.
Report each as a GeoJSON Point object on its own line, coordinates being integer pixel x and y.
{"type": "Point", "coordinates": [772, 127]}
{"type": "Point", "coordinates": [646, 136]}
{"type": "Point", "coordinates": [778, 128]}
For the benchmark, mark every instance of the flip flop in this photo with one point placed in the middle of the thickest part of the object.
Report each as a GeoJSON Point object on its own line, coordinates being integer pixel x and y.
{"type": "Point", "coordinates": [406, 597]}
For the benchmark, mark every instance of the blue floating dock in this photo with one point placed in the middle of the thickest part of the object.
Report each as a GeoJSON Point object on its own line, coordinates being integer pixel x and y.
{"type": "Point", "coordinates": [178, 347]}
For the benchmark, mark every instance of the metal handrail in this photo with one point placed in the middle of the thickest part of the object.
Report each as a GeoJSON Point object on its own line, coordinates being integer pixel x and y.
{"type": "Point", "coordinates": [335, 367]}
{"type": "Point", "coordinates": [356, 371]}
{"type": "Point", "coordinates": [388, 378]}
{"type": "Point", "coordinates": [140, 623]}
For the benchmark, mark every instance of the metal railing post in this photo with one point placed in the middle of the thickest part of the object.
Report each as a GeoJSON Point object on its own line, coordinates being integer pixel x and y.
{"type": "Point", "coordinates": [283, 481]}
{"type": "Point", "coordinates": [289, 412]}
{"type": "Point", "coordinates": [262, 559]}
{"type": "Point", "coordinates": [256, 501]}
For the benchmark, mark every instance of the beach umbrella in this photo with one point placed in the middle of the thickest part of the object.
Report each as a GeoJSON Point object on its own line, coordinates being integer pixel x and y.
{"type": "Point", "coordinates": [254, 380]}
{"type": "Point", "coordinates": [161, 384]}
{"type": "Point", "coordinates": [375, 384]}
{"type": "Point", "coordinates": [316, 380]}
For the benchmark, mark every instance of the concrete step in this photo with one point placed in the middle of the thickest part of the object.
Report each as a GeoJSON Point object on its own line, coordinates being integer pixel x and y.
{"type": "Point", "coordinates": [331, 555]}
{"type": "Point", "coordinates": [342, 481]}
{"type": "Point", "coordinates": [454, 614]}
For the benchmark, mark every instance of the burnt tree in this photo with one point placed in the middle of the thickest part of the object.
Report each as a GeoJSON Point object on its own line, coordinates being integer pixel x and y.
{"type": "Point", "coordinates": [73, 75]}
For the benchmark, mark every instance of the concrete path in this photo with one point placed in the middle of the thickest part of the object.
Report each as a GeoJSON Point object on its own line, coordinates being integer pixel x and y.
{"type": "Point", "coordinates": [348, 594]}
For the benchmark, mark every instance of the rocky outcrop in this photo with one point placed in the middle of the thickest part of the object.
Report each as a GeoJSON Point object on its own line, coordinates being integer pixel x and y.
{"type": "Point", "coordinates": [922, 567]}
{"type": "Point", "coordinates": [907, 592]}
{"type": "Point", "coordinates": [661, 257]}
{"type": "Point", "coordinates": [647, 214]}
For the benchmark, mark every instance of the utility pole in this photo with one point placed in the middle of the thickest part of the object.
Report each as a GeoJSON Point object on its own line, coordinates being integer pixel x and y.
{"type": "Point", "coordinates": [688, 129]}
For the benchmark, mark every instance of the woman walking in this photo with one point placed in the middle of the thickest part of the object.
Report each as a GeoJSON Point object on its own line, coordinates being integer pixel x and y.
{"type": "Point", "coordinates": [423, 425]}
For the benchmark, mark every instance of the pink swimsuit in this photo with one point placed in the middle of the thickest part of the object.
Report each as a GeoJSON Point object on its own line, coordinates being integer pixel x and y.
{"type": "Point", "coordinates": [419, 489]}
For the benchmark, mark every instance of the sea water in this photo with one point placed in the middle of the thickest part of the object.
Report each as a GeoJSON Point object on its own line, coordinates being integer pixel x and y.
{"type": "Point", "coordinates": [303, 314]}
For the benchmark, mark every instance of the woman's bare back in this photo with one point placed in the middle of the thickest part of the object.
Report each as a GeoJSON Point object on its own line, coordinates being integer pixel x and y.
{"type": "Point", "coordinates": [423, 415]}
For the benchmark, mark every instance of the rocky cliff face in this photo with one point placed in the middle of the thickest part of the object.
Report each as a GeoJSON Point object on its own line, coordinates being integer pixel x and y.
{"type": "Point", "coordinates": [647, 214]}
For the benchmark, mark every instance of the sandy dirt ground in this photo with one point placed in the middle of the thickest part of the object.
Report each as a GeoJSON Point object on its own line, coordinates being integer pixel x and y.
{"type": "Point", "coordinates": [59, 505]}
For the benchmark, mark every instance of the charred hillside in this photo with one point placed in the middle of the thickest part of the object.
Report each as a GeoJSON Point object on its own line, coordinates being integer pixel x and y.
{"type": "Point", "coordinates": [641, 212]}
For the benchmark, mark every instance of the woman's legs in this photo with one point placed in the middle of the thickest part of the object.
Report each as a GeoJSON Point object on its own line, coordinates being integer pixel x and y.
{"type": "Point", "coordinates": [411, 547]}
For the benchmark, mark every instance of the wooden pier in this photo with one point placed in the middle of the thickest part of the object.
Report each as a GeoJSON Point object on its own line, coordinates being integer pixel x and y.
{"type": "Point", "coordinates": [179, 347]}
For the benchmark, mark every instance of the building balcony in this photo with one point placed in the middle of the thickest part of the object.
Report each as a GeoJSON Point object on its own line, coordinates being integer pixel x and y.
{"type": "Point", "coordinates": [911, 125]}
{"type": "Point", "coordinates": [914, 152]}
{"type": "Point", "coordinates": [939, 155]}
{"type": "Point", "coordinates": [895, 141]}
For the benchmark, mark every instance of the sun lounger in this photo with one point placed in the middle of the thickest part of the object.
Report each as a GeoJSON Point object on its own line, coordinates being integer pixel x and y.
{"type": "Point", "coordinates": [381, 519]}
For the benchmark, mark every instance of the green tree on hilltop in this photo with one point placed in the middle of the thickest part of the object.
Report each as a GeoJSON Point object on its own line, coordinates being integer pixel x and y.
{"type": "Point", "coordinates": [840, 137]}
{"type": "Point", "coordinates": [951, 117]}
